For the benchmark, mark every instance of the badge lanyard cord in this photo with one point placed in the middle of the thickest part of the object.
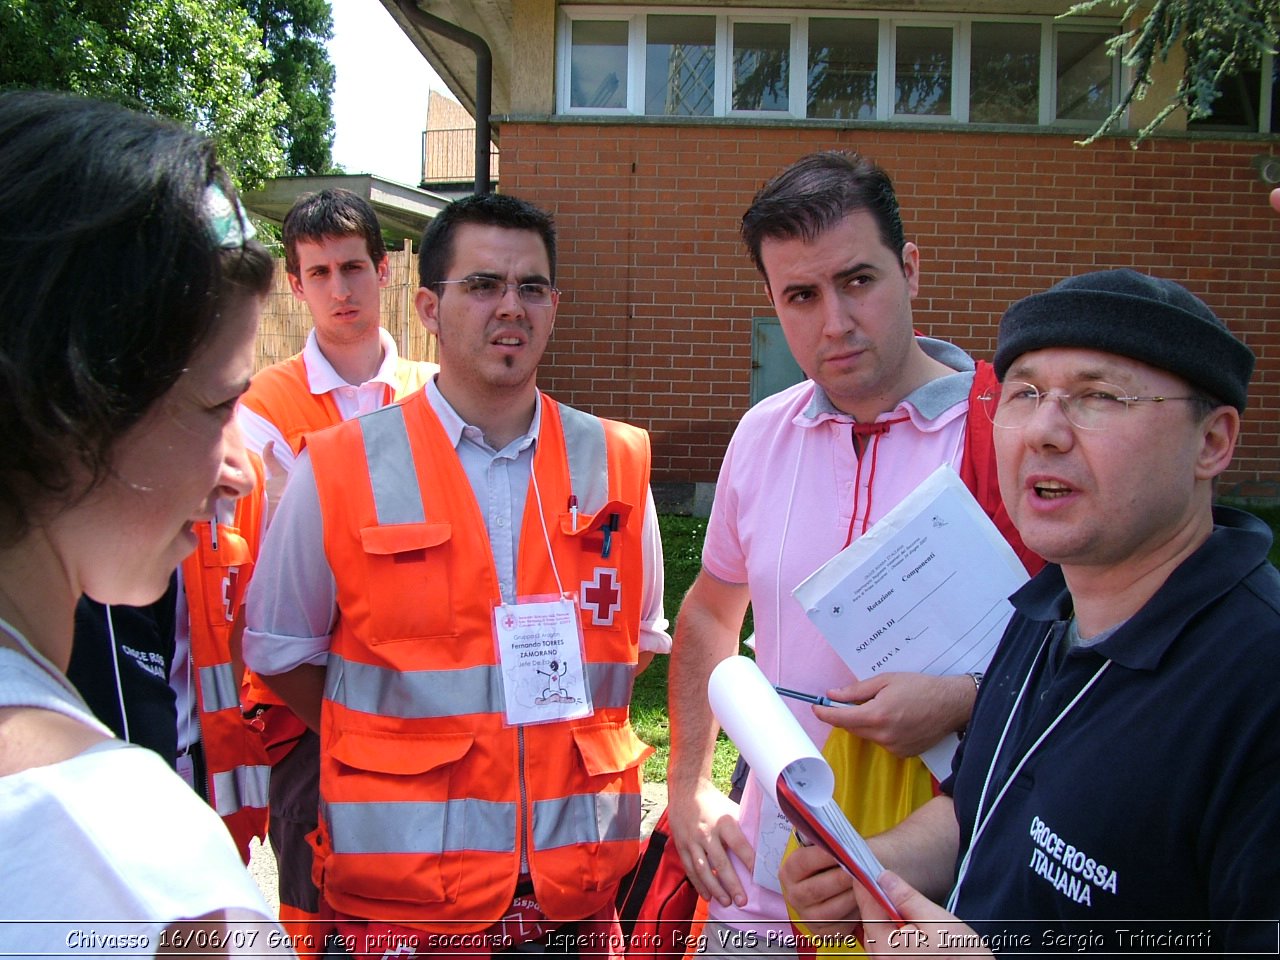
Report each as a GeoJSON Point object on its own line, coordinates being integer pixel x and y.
{"type": "Point", "coordinates": [980, 821]}
{"type": "Point", "coordinates": [782, 545]}
{"type": "Point", "coordinates": [115, 662]}
{"type": "Point", "coordinates": [546, 536]}
{"type": "Point", "coordinates": [777, 583]}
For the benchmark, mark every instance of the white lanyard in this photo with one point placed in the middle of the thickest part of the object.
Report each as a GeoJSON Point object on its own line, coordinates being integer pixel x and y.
{"type": "Point", "coordinates": [546, 537]}
{"type": "Point", "coordinates": [979, 821]}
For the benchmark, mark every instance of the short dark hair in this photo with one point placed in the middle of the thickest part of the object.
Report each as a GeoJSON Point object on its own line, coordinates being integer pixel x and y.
{"type": "Point", "coordinates": [817, 192]}
{"type": "Point", "coordinates": [435, 256]}
{"type": "Point", "coordinates": [111, 280]}
{"type": "Point", "coordinates": [330, 213]}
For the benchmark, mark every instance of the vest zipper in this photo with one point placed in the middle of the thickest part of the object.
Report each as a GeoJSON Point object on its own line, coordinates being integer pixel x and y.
{"type": "Point", "coordinates": [524, 816]}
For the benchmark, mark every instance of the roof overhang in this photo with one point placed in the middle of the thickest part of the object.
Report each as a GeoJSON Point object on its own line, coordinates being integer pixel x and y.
{"type": "Point", "coordinates": [403, 211]}
{"type": "Point", "coordinates": [455, 64]}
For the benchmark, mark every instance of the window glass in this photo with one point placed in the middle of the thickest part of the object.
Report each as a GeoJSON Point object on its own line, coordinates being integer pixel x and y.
{"type": "Point", "coordinates": [1085, 88]}
{"type": "Point", "coordinates": [680, 66]}
{"type": "Point", "coordinates": [922, 73]}
{"type": "Point", "coordinates": [1238, 105]}
{"type": "Point", "coordinates": [598, 64]}
{"type": "Point", "coordinates": [1004, 78]}
{"type": "Point", "coordinates": [761, 66]}
{"type": "Point", "coordinates": [842, 68]}
{"type": "Point", "coordinates": [1275, 95]}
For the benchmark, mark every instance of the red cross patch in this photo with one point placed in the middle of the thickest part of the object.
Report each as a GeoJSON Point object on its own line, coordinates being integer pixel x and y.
{"type": "Point", "coordinates": [602, 596]}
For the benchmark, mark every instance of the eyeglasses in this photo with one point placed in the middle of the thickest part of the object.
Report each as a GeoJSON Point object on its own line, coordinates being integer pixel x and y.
{"type": "Point", "coordinates": [489, 289]}
{"type": "Point", "coordinates": [1094, 407]}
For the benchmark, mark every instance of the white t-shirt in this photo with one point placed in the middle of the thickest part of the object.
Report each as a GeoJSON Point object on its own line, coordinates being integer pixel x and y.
{"type": "Point", "coordinates": [102, 852]}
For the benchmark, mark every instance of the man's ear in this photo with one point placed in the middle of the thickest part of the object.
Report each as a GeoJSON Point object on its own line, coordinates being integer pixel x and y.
{"type": "Point", "coordinates": [427, 304]}
{"type": "Point", "coordinates": [295, 284]}
{"type": "Point", "coordinates": [384, 271]}
{"type": "Point", "coordinates": [911, 267]}
{"type": "Point", "coordinates": [1219, 432]}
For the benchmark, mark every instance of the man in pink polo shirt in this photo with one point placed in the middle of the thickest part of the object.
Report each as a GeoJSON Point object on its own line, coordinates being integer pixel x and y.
{"type": "Point", "coordinates": [882, 409]}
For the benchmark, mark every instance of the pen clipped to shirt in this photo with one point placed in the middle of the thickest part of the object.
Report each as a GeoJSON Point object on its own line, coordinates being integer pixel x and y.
{"type": "Point", "coordinates": [809, 698]}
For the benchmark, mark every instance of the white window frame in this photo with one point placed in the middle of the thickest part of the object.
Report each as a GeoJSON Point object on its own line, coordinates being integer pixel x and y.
{"type": "Point", "coordinates": [890, 91]}
{"type": "Point", "coordinates": [961, 27]}
{"type": "Point", "coordinates": [1050, 119]}
{"type": "Point", "coordinates": [727, 64]}
{"type": "Point", "coordinates": [564, 67]}
{"type": "Point", "coordinates": [800, 62]}
{"type": "Point", "coordinates": [718, 95]}
{"type": "Point", "coordinates": [966, 49]}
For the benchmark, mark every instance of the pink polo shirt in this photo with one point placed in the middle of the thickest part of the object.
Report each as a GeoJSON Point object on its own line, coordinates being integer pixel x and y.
{"type": "Point", "coordinates": [789, 491]}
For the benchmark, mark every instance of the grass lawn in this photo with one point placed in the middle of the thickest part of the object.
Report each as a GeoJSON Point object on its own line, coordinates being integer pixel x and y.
{"type": "Point", "coordinates": [682, 548]}
{"type": "Point", "coordinates": [682, 552]}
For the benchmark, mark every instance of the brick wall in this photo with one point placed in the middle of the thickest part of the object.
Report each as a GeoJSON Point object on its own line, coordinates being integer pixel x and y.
{"type": "Point", "coordinates": [655, 323]}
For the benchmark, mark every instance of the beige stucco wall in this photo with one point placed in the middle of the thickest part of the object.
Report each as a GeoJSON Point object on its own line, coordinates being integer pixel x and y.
{"type": "Point", "coordinates": [533, 80]}
{"type": "Point", "coordinates": [1164, 81]}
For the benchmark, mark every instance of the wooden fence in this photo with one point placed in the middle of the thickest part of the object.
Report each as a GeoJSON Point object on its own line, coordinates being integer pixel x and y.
{"type": "Point", "coordinates": [286, 321]}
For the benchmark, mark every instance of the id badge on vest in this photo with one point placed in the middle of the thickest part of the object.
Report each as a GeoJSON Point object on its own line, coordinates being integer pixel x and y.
{"type": "Point", "coordinates": [541, 653]}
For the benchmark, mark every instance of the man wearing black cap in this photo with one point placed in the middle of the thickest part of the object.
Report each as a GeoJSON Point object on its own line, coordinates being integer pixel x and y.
{"type": "Point", "coordinates": [1119, 785]}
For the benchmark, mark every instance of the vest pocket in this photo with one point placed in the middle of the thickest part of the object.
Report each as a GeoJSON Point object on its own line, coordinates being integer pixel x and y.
{"type": "Point", "coordinates": [602, 824]}
{"type": "Point", "coordinates": [601, 539]}
{"type": "Point", "coordinates": [407, 581]}
{"type": "Point", "coordinates": [609, 748]}
{"type": "Point", "coordinates": [393, 837]}
{"type": "Point", "coordinates": [220, 570]}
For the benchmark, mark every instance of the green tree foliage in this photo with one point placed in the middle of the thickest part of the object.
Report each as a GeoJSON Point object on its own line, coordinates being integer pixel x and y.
{"type": "Point", "coordinates": [1221, 38]}
{"type": "Point", "coordinates": [202, 62]}
{"type": "Point", "coordinates": [294, 31]}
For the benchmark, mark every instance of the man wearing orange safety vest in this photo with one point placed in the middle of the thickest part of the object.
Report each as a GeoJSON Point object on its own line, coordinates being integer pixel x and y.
{"type": "Point", "coordinates": [336, 262]}
{"type": "Point", "coordinates": [457, 592]}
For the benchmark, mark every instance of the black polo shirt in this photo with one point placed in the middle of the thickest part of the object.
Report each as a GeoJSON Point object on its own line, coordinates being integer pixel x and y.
{"type": "Point", "coordinates": [143, 653]}
{"type": "Point", "coordinates": [1149, 816]}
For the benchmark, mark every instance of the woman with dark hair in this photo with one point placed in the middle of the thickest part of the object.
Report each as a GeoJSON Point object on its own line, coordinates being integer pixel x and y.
{"type": "Point", "coordinates": [130, 291]}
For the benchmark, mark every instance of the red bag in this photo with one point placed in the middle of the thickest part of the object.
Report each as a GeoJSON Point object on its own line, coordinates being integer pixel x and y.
{"type": "Point", "coordinates": [656, 900]}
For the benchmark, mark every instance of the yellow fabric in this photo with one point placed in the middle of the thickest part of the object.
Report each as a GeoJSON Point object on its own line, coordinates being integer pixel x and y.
{"type": "Point", "coordinates": [876, 790]}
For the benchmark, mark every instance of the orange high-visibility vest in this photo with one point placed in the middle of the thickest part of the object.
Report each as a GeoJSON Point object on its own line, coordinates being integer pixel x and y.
{"type": "Point", "coordinates": [282, 394]}
{"type": "Point", "coordinates": [429, 800]}
{"type": "Point", "coordinates": [214, 577]}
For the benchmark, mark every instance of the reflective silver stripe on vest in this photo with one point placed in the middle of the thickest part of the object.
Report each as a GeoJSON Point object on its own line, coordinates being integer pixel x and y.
{"type": "Point", "coordinates": [588, 456]}
{"type": "Point", "coordinates": [432, 694]}
{"type": "Point", "coordinates": [413, 694]}
{"type": "Point", "coordinates": [585, 818]}
{"type": "Point", "coordinates": [396, 495]}
{"type": "Point", "coordinates": [218, 688]}
{"type": "Point", "coordinates": [610, 684]}
{"type": "Point", "coordinates": [421, 827]}
{"type": "Point", "coordinates": [398, 499]}
{"type": "Point", "coordinates": [242, 787]}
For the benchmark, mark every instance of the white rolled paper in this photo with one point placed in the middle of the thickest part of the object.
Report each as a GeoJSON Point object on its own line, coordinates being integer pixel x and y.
{"type": "Point", "coordinates": [769, 738]}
